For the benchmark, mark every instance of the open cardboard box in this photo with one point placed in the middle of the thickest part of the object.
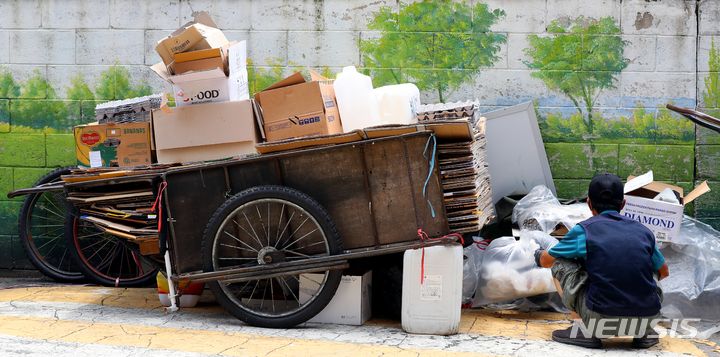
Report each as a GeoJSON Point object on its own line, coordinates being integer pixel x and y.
{"type": "Point", "coordinates": [662, 218]}
{"type": "Point", "coordinates": [205, 132]}
{"type": "Point", "coordinates": [295, 108]}
{"type": "Point", "coordinates": [210, 85]}
{"type": "Point", "coordinates": [200, 34]}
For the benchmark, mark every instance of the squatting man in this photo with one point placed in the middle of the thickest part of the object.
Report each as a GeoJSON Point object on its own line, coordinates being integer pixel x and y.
{"type": "Point", "coordinates": [607, 271]}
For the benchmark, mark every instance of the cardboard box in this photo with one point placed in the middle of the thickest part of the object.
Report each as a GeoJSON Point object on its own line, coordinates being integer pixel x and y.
{"type": "Point", "coordinates": [211, 85]}
{"type": "Point", "coordinates": [351, 304]}
{"type": "Point", "coordinates": [662, 218]}
{"type": "Point", "coordinates": [200, 60]}
{"type": "Point", "coordinates": [200, 34]}
{"type": "Point", "coordinates": [294, 108]}
{"type": "Point", "coordinates": [113, 145]}
{"type": "Point", "coordinates": [205, 132]}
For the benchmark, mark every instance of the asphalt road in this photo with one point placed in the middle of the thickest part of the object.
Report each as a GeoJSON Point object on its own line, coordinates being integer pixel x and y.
{"type": "Point", "coordinates": [41, 318]}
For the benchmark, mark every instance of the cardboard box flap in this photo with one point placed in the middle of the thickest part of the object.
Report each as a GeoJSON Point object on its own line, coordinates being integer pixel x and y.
{"type": "Point", "coordinates": [291, 101]}
{"type": "Point", "coordinates": [203, 18]}
{"type": "Point", "coordinates": [697, 192]}
{"type": "Point", "coordinates": [314, 76]}
{"type": "Point", "coordinates": [296, 78]}
{"type": "Point", "coordinates": [644, 186]}
{"type": "Point", "coordinates": [225, 116]}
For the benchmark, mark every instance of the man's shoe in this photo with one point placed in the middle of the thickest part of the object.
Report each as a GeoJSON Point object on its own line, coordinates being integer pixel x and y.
{"type": "Point", "coordinates": [645, 341]}
{"type": "Point", "coordinates": [566, 336]}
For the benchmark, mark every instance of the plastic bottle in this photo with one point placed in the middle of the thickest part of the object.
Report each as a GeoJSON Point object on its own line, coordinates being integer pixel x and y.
{"type": "Point", "coordinates": [433, 306]}
{"type": "Point", "coordinates": [398, 104]}
{"type": "Point", "coordinates": [356, 100]}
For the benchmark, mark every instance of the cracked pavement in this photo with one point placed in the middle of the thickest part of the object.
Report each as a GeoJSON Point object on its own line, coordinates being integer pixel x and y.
{"type": "Point", "coordinates": [58, 320]}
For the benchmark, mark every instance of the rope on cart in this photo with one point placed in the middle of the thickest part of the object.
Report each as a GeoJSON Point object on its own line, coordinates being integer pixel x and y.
{"type": "Point", "coordinates": [424, 237]}
{"type": "Point", "coordinates": [159, 206]}
{"type": "Point", "coordinates": [432, 166]}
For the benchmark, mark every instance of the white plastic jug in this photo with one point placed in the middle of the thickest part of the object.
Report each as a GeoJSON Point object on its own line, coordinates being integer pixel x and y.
{"type": "Point", "coordinates": [433, 306]}
{"type": "Point", "coordinates": [355, 99]}
{"type": "Point", "coordinates": [398, 104]}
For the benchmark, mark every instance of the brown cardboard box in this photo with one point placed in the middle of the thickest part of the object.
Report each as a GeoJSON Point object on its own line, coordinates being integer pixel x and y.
{"type": "Point", "coordinates": [210, 85]}
{"type": "Point", "coordinates": [113, 145]}
{"type": "Point", "coordinates": [205, 132]}
{"type": "Point", "coordinates": [294, 108]}
{"type": "Point", "coordinates": [200, 34]}
{"type": "Point", "coordinates": [200, 60]}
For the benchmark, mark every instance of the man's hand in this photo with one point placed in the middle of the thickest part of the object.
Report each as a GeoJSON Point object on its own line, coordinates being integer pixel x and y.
{"type": "Point", "coordinates": [538, 256]}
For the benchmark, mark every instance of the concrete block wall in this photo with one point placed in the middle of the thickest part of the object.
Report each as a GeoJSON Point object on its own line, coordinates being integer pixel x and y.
{"type": "Point", "coordinates": [65, 42]}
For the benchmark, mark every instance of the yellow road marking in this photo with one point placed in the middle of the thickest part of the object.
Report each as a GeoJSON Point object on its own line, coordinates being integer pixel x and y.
{"type": "Point", "coordinates": [200, 341]}
{"type": "Point", "coordinates": [485, 322]}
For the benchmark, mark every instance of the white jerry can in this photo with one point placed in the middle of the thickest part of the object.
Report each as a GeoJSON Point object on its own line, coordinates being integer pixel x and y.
{"type": "Point", "coordinates": [432, 306]}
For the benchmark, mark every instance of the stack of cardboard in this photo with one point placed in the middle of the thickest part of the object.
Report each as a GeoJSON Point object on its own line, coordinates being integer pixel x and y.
{"type": "Point", "coordinates": [466, 182]}
{"type": "Point", "coordinates": [125, 213]}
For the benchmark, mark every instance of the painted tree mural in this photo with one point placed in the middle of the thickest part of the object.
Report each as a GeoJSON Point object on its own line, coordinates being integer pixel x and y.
{"type": "Point", "coordinates": [711, 95]}
{"type": "Point", "coordinates": [580, 60]}
{"type": "Point", "coordinates": [438, 44]}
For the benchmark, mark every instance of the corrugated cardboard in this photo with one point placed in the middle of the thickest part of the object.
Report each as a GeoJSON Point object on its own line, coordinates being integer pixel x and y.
{"type": "Point", "coordinates": [200, 60]}
{"type": "Point", "coordinates": [211, 85]}
{"type": "Point", "coordinates": [205, 132]}
{"type": "Point", "coordinates": [200, 34]}
{"type": "Point", "coordinates": [320, 140]}
{"type": "Point", "coordinates": [662, 218]}
{"type": "Point", "coordinates": [351, 304]}
{"type": "Point", "coordinates": [113, 145]}
{"type": "Point", "coordinates": [294, 108]}
{"type": "Point", "coordinates": [328, 94]}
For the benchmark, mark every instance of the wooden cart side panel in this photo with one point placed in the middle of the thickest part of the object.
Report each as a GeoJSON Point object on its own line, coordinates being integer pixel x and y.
{"type": "Point", "coordinates": [335, 179]}
{"type": "Point", "coordinates": [196, 197]}
{"type": "Point", "coordinates": [420, 166]}
{"type": "Point", "coordinates": [396, 183]}
{"type": "Point", "coordinates": [186, 192]}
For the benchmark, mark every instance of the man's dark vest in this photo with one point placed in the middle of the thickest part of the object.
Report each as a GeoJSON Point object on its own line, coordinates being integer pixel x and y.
{"type": "Point", "coordinates": [619, 267]}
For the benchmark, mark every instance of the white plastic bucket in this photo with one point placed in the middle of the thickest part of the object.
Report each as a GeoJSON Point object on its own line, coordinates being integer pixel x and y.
{"type": "Point", "coordinates": [355, 100]}
{"type": "Point", "coordinates": [433, 306]}
{"type": "Point", "coordinates": [398, 104]}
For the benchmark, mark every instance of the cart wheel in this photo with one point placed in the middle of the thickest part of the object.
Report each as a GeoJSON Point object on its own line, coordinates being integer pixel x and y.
{"type": "Point", "coordinates": [271, 224]}
{"type": "Point", "coordinates": [103, 258]}
{"type": "Point", "coordinates": [42, 231]}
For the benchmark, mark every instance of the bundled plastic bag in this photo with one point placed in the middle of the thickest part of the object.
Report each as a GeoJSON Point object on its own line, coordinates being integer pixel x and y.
{"type": "Point", "coordinates": [472, 261]}
{"type": "Point", "coordinates": [541, 211]}
{"type": "Point", "coordinates": [508, 269]}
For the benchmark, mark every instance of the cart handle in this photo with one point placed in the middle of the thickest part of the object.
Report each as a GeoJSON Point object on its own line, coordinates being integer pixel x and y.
{"type": "Point", "coordinates": [696, 117]}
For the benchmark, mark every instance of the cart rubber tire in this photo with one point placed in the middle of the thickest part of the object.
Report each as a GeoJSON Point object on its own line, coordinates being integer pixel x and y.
{"type": "Point", "coordinates": [222, 243]}
{"type": "Point", "coordinates": [47, 250]}
{"type": "Point", "coordinates": [104, 259]}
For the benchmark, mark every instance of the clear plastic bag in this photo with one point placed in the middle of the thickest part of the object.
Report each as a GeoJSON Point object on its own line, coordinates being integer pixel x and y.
{"type": "Point", "coordinates": [508, 269]}
{"type": "Point", "coordinates": [541, 211]}
{"type": "Point", "coordinates": [473, 255]}
{"type": "Point", "coordinates": [692, 289]}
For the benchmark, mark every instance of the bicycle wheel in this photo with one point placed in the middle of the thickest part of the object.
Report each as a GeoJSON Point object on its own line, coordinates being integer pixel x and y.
{"type": "Point", "coordinates": [265, 225]}
{"type": "Point", "coordinates": [103, 258]}
{"type": "Point", "coordinates": [42, 231]}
